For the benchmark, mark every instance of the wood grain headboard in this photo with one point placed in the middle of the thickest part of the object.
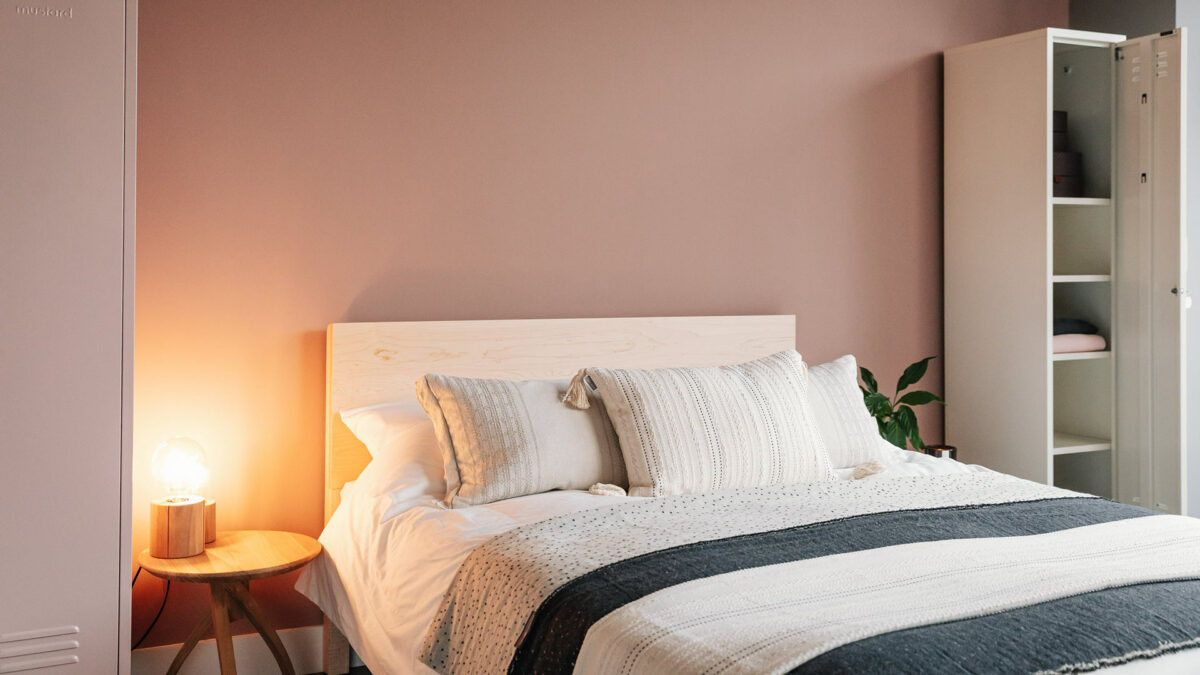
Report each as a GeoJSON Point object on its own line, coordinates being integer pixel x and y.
{"type": "Point", "coordinates": [368, 363]}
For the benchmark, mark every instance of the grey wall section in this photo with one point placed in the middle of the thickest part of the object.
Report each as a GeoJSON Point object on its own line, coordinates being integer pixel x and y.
{"type": "Point", "coordinates": [1124, 16]}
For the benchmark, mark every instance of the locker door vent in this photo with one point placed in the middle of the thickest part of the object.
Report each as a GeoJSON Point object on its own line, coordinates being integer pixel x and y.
{"type": "Point", "coordinates": [38, 648]}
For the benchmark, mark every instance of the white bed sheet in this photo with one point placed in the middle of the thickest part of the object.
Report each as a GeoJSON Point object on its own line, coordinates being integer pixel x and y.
{"type": "Point", "coordinates": [388, 560]}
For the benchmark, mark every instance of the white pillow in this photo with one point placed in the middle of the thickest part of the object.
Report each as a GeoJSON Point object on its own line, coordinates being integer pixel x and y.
{"type": "Point", "coordinates": [687, 430]}
{"type": "Point", "coordinates": [850, 433]}
{"type": "Point", "coordinates": [501, 439]}
{"type": "Point", "coordinates": [406, 461]}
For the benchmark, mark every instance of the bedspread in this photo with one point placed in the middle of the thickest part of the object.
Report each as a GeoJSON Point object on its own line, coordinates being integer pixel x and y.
{"type": "Point", "coordinates": [928, 573]}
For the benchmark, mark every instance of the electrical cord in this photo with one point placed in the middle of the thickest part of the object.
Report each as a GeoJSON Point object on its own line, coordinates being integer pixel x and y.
{"type": "Point", "coordinates": [135, 576]}
{"type": "Point", "coordinates": [161, 607]}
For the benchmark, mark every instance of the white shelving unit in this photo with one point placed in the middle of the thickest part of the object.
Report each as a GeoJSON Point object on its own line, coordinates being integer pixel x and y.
{"type": "Point", "coordinates": [1016, 257]}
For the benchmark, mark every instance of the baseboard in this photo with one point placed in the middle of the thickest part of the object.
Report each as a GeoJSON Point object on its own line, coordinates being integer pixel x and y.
{"type": "Point", "coordinates": [303, 646]}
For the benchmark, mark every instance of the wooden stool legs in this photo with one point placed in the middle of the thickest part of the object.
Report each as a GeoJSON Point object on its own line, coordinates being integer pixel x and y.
{"type": "Point", "coordinates": [190, 643]}
{"type": "Point", "coordinates": [253, 612]}
{"type": "Point", "coordinates": [230, 602]}
{"type": "Point", "coordinates": [222, 608]}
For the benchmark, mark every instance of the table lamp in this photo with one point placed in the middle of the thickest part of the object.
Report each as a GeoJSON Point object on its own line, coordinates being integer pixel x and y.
{"type": "Point", "coordinates": [177, 520]}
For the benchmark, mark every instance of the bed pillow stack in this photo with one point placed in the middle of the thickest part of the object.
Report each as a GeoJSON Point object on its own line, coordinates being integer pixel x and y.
{"type": "Point", "coordinates": [659, 431]}
{"type": "Point", "coordinates": [688, 430]}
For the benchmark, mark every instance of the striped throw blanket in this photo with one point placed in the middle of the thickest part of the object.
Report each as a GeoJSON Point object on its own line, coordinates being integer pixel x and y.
{"type": "Point", "coordinates": [974, 572]}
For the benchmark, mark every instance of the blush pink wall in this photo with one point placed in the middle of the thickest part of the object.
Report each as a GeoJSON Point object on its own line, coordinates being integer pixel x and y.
{"type": "Point", "coordinates": [307, 162]}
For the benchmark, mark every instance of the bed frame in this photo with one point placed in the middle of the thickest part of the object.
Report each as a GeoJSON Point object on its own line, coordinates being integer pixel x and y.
{"type": "Point", "coordinates": [368, 363]}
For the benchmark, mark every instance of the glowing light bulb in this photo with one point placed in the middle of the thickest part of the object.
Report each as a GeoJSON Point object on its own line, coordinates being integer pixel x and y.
{"type": "Point", "coordinates": [179, 464]}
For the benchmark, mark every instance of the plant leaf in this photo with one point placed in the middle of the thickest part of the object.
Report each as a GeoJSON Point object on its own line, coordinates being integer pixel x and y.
{"type": "Point", "coordinates": [907, 417]}
{"type": "Point", "coordinates": [892, 433]}
{"type": "Point", "coordinates": [913, 373]}
{"type": "Point", "coordinates": [878, 405]}
{"type": "Point", "coordinates": [919, 397]}
{"type": "Point", "coordinates": [869, 379]}
{"type": "Point", "coordinates": [915, 437]}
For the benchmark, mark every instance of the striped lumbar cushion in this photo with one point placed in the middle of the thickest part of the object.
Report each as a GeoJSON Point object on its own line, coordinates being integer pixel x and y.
{"type": "Point", "coordinates": [685, 430]}
{"type": "Point", "coordinates": [850, 433]}
{"type": "Point", "coordinates": [502, 439]}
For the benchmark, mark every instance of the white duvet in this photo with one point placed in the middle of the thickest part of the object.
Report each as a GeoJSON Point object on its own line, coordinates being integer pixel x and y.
{"type": "Point", "coordinates": [390, 557]}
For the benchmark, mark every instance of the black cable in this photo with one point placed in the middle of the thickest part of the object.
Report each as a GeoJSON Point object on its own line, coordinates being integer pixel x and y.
{"type": "Point", "coordinates": [135, 576]}
{"type": "Point", "coordinates": [160, 611]}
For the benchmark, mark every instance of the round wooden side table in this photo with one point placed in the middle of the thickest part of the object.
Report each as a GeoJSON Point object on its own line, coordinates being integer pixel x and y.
{"type": "Point", "coordinates": [227, 566]}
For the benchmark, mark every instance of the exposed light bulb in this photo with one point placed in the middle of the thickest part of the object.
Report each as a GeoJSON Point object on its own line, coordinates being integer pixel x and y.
{"type": "Point", "coordinates": [180, 465]}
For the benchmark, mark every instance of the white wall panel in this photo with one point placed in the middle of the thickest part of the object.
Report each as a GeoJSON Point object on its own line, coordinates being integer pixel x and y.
{"type": "Point", "coordinates": [65, 252]}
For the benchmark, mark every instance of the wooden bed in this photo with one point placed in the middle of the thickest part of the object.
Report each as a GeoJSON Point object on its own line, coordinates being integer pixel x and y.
{"type": "Point", "coordinates": [368, 363]}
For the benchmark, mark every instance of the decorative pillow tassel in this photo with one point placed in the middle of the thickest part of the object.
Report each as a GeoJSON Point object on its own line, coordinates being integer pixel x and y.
{"type": "Point", "coordinates": [866, 469]}
{"type": "Point", "coordinates": [576, 395]}
{"type": "Point", "coordinates": [607, 490]}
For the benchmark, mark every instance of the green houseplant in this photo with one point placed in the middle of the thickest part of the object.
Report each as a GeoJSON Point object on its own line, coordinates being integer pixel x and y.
{"type": "Point", "coordinates": [895, 416]}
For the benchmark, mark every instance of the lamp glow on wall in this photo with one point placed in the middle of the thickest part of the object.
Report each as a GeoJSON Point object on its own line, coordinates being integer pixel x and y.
{"type": "Point", "coordinates": [180, 522]}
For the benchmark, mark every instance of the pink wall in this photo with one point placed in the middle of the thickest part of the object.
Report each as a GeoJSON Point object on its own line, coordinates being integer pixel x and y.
{"type": "Point", "coordinates": [307, 162]}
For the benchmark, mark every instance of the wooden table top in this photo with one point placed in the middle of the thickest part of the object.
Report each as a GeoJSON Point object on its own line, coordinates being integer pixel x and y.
{"type": "Point", "coordinates": [237, 555]}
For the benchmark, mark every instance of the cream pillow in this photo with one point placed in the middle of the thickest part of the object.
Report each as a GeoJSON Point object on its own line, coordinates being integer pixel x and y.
{"type": "Point", "coordinates": [850, 433]}
{"type": "Point", "coordinates": [685, 430]}
{"type": "Point", "coordinates": [502, 439]}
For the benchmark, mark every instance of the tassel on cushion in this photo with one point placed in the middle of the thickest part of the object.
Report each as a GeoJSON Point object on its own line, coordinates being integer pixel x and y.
{"type": "Point", "coordinates": [607, 490]}
{"type": "Point", "coordinates": [576, 395]}
{"type": "Point", "coordinates": [866, 469]}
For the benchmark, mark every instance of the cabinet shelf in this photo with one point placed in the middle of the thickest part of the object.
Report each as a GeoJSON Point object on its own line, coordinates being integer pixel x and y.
{"type": "Point", "coordinates": [1069, 444]}
{"type": "Point", "coordinates": [1081, 201]}
{"type": "Point", "coordinates": [1080, 278]}
{"type": "Point", "coordinates": [1080, 356]}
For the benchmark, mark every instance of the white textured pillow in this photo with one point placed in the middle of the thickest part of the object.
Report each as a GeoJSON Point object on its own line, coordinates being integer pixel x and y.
{"type": "Point", "coordinates": [686, 430]}
{"type": "Point", "coordinates": [848, 430]}
{"type": "Point", "coordinates": [502, 439]}
{"type": "Point", "coordinates": [405, 459]}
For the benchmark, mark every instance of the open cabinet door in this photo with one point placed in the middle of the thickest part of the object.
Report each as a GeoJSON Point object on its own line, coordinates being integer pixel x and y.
{"type": "Point", "coordinates": [1150, 287]}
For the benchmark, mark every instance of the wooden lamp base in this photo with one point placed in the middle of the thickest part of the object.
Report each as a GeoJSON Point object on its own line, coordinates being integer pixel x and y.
{"type": "Point", "coordinates": [210, 521]}
{"type": "Point", "coordinates": [177, 527]}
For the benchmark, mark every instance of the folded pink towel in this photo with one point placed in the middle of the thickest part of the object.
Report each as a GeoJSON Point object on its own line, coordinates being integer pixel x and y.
{"type": "Point", "coordinates": [1078, 342]}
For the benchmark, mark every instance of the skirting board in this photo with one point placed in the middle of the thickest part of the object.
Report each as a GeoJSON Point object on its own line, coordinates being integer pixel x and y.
{"type": "Point", "coordinates": [303, 646]}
